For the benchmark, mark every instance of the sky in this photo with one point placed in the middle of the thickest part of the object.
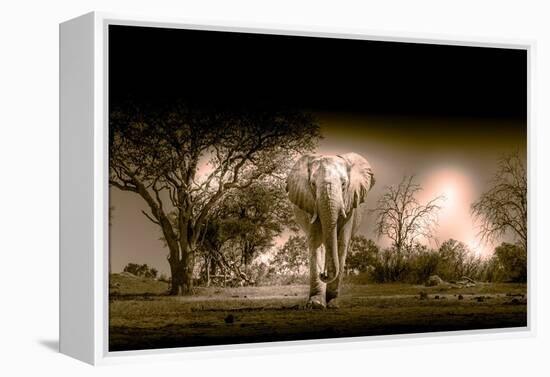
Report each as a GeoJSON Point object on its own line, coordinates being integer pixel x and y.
{"type": "Point", "coordinates": [458, 165]}
{"type": "Point", "coordinates": [442, 113]}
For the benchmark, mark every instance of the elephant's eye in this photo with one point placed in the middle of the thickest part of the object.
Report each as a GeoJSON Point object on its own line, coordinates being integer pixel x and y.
{"type": "Point", "coordinates": [344, 184]}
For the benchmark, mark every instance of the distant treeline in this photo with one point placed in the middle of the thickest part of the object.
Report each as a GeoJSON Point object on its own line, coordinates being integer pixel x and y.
{"type": "Point", "coordinates": [367, 262]}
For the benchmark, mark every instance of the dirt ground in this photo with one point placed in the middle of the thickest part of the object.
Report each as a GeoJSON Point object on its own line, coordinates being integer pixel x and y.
{"type": "Point", "coordinates": [141, 317]}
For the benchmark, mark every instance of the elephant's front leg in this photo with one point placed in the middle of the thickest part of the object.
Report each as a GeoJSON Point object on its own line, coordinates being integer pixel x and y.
{"type": "Point", "coordinates": [333, 291]}
{"type": "Point", "coordinates": [333, 288]}
{"type": "Point", "coordinates": [317, 289]}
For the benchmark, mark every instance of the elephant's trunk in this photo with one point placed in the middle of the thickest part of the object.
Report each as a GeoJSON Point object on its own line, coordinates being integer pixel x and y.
{"type": "Point", "coordinates": [329, 211]}
{"type": "Point", "coordinates": [332, 262]}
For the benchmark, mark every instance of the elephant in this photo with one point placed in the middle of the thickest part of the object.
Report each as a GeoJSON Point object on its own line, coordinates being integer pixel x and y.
{"type": "Point", "coordinates": [328, 194]}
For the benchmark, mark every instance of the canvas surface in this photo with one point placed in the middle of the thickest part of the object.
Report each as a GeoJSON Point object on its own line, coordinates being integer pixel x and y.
{"type": "Point", "coordinates": [267, 187]}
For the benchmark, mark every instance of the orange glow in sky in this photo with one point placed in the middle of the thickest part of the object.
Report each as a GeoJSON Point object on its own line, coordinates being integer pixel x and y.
{"type": "Point", "coordinates": [455, 219]}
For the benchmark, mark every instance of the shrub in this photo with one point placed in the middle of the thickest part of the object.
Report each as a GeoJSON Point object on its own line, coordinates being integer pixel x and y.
{"type": "Point", "coordinates": [164, 278]}
{"type": "Point", "coordinates": [423, 264]}
{"type": "Point", "coordinates": [512, 261]}
{"type": "Point", "coordinates": [456, 260]}
{"type": "Point", "coordinates": [389, 266]}
{"type": "Point", "coordinates": [416, 264]}
{"type": "Point", "coordinates": [141, 270]}
{"type": "Point", "coordinates": [362, 254]}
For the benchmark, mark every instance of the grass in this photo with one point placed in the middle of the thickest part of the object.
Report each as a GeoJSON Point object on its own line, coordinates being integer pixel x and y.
{"type": "Point", "coordinates": [141, 317]}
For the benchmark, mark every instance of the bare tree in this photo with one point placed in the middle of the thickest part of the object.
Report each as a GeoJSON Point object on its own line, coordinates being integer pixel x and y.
{"type": "Point", "coordinates": [401, 218]}
{"type": "Point", "coordinates": [503, 207]}
{"type": "Point", "coordinates": [157, 153]}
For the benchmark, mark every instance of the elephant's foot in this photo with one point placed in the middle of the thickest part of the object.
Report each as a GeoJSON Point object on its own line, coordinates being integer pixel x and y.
{"type": "Point", "coordinates": [316, 302]}
{"type": "Point", "coordinates": [333, 304]}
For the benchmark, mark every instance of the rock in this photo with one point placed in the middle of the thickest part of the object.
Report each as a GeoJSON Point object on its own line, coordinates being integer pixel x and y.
{"type": "Point", "coordinates": [433, 281]}
{"type": "Point", "coordinates": [515, 295]}
{"type": "Point", "coordinates": [468, 279]}
{"type": "Point", "coordinates": [460, 297]}
{"type": "Point", "coordinates": [128, 274]}
{"type": "Point", "coordinates": [229, 319]}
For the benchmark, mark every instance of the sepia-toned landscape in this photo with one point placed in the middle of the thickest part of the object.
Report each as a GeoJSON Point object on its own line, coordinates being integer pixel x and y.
{"type": "Point", "coordinates": [273, 188]}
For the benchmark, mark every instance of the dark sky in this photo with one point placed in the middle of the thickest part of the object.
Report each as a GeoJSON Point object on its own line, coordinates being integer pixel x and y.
{"type": "Point", "coordinates": [444, 113]}
{"type": "Point", "coordinates": [317, 73]}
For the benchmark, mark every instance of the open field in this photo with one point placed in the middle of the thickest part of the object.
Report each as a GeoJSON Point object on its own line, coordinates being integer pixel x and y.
{"type": "Point", "coordinates": [141, 317]}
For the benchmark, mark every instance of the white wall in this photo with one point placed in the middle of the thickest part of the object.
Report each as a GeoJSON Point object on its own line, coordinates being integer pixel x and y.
{"type": "Point", "coordinates": [29, 184]}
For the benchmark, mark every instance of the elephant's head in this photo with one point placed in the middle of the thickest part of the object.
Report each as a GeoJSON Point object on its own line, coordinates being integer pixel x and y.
{"type": "Point", "coordinates": [329, 188]}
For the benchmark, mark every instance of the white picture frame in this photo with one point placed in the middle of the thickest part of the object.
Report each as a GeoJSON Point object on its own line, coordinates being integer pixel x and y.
{"type": "Point", "coordinates": [84, 191]}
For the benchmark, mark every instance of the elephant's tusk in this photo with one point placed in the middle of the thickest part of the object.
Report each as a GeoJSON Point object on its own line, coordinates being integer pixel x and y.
{"type": "Point", "coordinates": [314, 217]}
{"type": "Point", "coordinates": [343, 213]}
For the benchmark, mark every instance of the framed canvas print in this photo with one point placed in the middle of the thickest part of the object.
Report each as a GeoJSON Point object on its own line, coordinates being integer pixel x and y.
{"type": "Point", "coordinates": [224, 185]}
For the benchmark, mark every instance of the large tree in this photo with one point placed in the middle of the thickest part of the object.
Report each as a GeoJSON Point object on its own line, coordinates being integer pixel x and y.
{"type": "Point", "coordinates": [402, 218]}
{"type": "Point", "coordinates": [503, 207]}
{"type": "Point", "coordinates": [182, 160]}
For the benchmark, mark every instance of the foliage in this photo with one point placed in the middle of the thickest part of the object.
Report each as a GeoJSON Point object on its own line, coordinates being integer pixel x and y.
{"type": "Point", "coordinates": [456, 260]}
{"type": "Point", "coordinates": [164, 278]}
{"type": "Point", "coordinates": [183, 160]}
{"type": "Point", "coordinates": [362, 253]}
{"type": "Point", "coordinates": [503, 207]}
{"type": "Point", "coordinates": [401, 218]}
{"type": "Point", "coordinates": [243, 227]}
{"type": "Point", "coordinates": [512, 260]}
{"type": "Point", "coordinates": [142, 270]}
{"type": "Point", "coordinates": [253, 217]}
{"type": "Point", "coordinates": [390, 266]}
{"type": "Point", "coordinates": [423, 263]}
{"type": "Point", "coordinates": [451, 261]}
{"type": "Point", "coordinates": [292, 258]}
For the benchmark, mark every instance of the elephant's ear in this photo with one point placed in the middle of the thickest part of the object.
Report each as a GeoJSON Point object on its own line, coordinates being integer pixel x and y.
{"type": "Point", "coordinates": [298, 186]}
{"type": "Point", "coordinates": [361, 179]}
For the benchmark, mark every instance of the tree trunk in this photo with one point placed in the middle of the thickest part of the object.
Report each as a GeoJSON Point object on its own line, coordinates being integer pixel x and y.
{"type": "Point", "coordinates": [182, 274]}
{"type": "Point", "coordinates": [207, 262]}
{"type": "Point", "coordinates": [176, 272]}
{"type": "Point", "coordinates": [188, 262]}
